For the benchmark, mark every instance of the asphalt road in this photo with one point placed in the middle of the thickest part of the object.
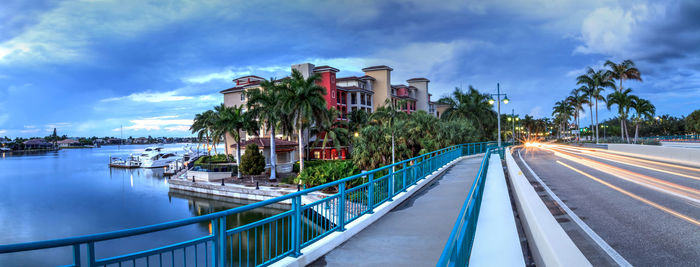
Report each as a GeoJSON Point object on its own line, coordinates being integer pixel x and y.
{"type": "Point", "coordinates": [647, 212]}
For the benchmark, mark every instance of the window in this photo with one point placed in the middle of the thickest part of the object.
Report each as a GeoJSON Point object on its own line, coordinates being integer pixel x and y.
{"type": "Point", "coordinates": [242, 96]}
{"type": "Point", "coordinates": [353, 100]}
{"type": "Point", "coordinates": [362, 99]}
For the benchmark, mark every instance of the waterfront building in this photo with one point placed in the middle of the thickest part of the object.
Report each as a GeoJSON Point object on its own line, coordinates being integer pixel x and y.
{"type": "Point", "coordinates": [287, 152]}
{"type": "Point", "coordinates": [68, 143]}
{"type": "Point", "coordinates": [37, 143]}
{"type": "Point", "coordinates": [346, 94]}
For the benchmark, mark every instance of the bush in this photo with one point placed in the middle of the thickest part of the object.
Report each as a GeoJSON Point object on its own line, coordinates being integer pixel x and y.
{"type": "Point", "coordinates": [307, 163]}
{"type": "Point", "coordinates": [252, 161]}
{"type": "Point", "coordinates": [322, 172]}
{"type": "Point", "coordinates": [220, 158]}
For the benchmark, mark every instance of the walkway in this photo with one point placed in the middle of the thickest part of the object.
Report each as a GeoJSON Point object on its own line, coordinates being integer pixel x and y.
{"type": "Point", "coordinates": [415, 232]}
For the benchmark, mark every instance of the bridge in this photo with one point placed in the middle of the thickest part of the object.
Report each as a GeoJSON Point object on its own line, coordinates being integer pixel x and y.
{"type": "Point", "coordinates": [472, 204]}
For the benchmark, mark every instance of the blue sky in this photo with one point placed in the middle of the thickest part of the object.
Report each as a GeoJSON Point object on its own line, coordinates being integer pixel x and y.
{"type": "Point", "coordinates": [89, 67]}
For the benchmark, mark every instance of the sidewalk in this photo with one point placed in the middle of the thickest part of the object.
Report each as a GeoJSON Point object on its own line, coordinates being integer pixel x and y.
{"type": "Point", "coordinates": [415, 232]}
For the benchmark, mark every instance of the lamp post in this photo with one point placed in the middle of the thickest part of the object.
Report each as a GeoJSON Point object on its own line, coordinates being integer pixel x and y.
{"type": "Point", "coordinates": [513, 119]}
{"type": "Point", "coordinates": [505, 101]}
{"type": "Point", "coordinates": [605, 136]}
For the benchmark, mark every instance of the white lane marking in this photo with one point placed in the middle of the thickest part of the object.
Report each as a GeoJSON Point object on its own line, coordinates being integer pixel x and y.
{"type": "Point", "coordinates": [592, 234]}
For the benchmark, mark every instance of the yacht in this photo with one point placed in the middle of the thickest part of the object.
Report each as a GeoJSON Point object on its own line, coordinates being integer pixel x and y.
{"type": "Point", "coordinates": [153, 157]}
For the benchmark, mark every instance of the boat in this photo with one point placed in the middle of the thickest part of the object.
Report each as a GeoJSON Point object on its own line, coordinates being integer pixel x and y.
{"type": "Point", "coordinates": [132, 162]}
{"type": "Point", "coordinates": [153, 157]}
{"type": "Point", "coordinates": [5, 149]}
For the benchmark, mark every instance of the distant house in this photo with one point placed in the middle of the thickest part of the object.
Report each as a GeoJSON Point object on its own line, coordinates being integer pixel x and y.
{"type": "Point", "coordinates": [114, 141]}
{"type": "Point", "coordinates": [140, 140]}
{"type": "Point", "coordinates": [286, 152]}
{"type": "Point", "coordinates": [68, 143]}
{"type": "Point", "coordinates": [38, 143]}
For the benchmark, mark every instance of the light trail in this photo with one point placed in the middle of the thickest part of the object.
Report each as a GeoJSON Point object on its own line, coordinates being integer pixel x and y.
{"type": "Point", "coordinates": [632, 195]}
{"type": "Point", "coordinates": [656, 184]}
{"type": "Point", "coordinates": [626, 161]}
{"type": "Point", "coordinates": [630, 156]}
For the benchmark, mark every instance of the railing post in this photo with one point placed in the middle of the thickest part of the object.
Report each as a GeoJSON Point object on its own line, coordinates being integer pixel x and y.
{"type": "Point", "coordinates": [91, 254]}
{"type": "Point", "coordinates": [76, 255]}
{"type": "Point", "coordinates": [296, 226]}
{"type": "Point", "coordinates": [370, 203]}
{"type": "Point", "coordinates": [341, 207]}
{"type": "Point", "coordinates": [404, 178]}
{"type": "Point", "coordinates": [391, 184]}
{"type": "Point", "coordinates": [220, 241]}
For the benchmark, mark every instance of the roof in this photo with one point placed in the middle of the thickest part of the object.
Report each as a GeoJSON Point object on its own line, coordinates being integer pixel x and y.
{"type": "Point", "coordinates": [265, 142]}
{"type": "Point", "coordinates": [67, 141]}
{"type": "Point", "coordinates": [249, 76]}
{"type": "Point", "coordinates": [418, 80]}
{"type": "Point", "coordinates": [349, 78]}
{"type": "Point", "coordinates": [240, 88]}
{"type": "Point", "coordinates": [367, 77]}
{"type": "Point", "coordinates": [325, 69]}
{"type": "Point", "coordinates": [354, 89]}
{"type": "Point", "coordinates": [37, 141]}
{"type": "Point", "coordinates": [380, 67]}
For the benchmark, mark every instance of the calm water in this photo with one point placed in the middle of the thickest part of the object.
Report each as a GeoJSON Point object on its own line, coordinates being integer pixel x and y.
{"type": "Point", "coordinates": [72, 192]}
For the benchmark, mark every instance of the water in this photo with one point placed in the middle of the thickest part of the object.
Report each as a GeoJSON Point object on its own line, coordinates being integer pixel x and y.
{"type": "Point", "coordinates": [71, 192]}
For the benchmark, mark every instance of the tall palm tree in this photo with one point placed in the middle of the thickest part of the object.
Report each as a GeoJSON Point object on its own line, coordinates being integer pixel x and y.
{"type": "Point", "coordinates": [626, 70]}
{"type": "Point", "coordinates": [357, 119]}
{"type": "Point", "coordinates": [303, 101]}
{"type": "Point", "coordinates": [202, 125]}
{"type": "Point", "coordinates": [623, 100]}
{"type": "Point", "coordinates": [332, 129]}
{"type": "Point", "coordinates": [644, 110]}
{"type": "Point", "coordinates": [595, 82]}
{"type": "Point", "coordinates": [391, 113]}
{"type": "Point", "coordinates": [576, 100]}
{"type": "Point", "coordinates": [471, 105]}
{"type": "Point", "coordinates": [223, 122]}
{"type": "Point", "coordinates": [529, 123]}
{"type": "Point", "coordinates": [264, 106]}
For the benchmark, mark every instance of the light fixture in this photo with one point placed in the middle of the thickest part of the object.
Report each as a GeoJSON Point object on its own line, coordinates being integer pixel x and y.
{"type": "Point", "coordinates": [505, 100]}
{"type": "Point", "coordinates": [491, 101]}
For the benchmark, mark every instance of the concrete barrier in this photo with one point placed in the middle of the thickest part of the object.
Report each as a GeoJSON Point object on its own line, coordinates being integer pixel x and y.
{"type": "Point", "coordinates": [549, 244]}
{"type": "Point", "coordinates": [679, 155]}
{"type": "Point", "coordinates": [496, 242]}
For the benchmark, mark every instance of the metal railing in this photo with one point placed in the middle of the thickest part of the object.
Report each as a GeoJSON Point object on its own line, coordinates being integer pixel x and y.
{"type": "Point", "coordinates": [270, 239]}
{"type": "Point", "coordinates": [459, 245]}
{"type": "Point", "coordinates": [675, 138]}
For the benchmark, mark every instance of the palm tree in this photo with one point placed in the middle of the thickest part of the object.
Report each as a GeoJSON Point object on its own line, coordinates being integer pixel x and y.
{"type": "Point", "coordinates": [471, 105]}
{"type": "Point", "coordinates": [264, 106]}
{"type": "Point", "coordinates": [529, 123]}
{"type": "Point", "coordinates": [202, 125]}
{"type": "Point", "coordinates": [357, 119]}
{"type": "Point", "coordinates": [332, 129]}
{"type": "Point", "coordinates": [644, 110]}
{"type": "Point", "coordinates": [595, 82]}
{"type": "Point", "coordinates": [390, 112]}
{"type": "Point", "coordinates": [303, 101]}
{"type": "Point", "coordinates": [223, 123]}
{"type": "Point", "coordinates": [623, 100]}
{"type": "Point", "coordinates": [576, 100]}
{"type": "Point", "coordinates": [623, 71]}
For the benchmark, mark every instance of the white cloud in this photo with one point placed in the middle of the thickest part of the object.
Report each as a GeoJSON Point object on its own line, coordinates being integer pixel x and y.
{"type": "Point", "coordinates": [3, 131]}
{"type": "Point", "coordinates": [170, 123]}
{"type": "Point", "coordinates": [151, 97]}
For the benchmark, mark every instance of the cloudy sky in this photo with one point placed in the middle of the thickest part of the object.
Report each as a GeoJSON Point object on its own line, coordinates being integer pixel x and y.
{"type": "Point", "coordinates": [89, 67]}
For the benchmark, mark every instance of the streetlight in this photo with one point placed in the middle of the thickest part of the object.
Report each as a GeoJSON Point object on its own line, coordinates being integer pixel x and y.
{"type": "Point", "coordinates": [605, 136]}
{"type": "Point", "coordinates": [505, 101]}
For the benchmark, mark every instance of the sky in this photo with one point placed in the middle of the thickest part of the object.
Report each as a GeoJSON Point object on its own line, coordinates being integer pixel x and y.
{"type": "Point", "coordinates": [146, 67]}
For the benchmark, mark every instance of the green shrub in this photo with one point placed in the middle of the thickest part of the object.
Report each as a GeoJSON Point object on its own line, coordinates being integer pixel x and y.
{"type": "Point", "coordinates": [307, 163]}
{"type": "Point", "coordinates": [322, 172]}
{"type": "Point", "coordinates": [220, 158]}
{"type": "Point", "coordinates": [252, 161]}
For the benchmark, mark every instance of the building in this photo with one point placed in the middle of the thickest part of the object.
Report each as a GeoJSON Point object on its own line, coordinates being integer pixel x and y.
{"type": "Point", "coordinates": [437, 109]}
{"type": "Point", "coordinates": [286, 151]}
{"type": "Point", "coordinates": [68, 143]}
{"type": "Point", "coordinates": [346, 94]}
{"type": "Point", "coordinates": [38, 143]}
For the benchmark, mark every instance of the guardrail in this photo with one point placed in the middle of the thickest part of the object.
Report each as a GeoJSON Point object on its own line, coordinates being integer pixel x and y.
{"type": "Point", "coordinates": [459, 245]}
{"type": "Point", "coordinates": [270, 239]}
{"type": "Point", "coordinates": [675, 138]}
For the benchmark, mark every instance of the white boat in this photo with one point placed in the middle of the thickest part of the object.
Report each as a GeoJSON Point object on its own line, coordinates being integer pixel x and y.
{"type": "Point", "coordinates": [132, 162]}
{"type": "Point", "coordinates": [152, 157]}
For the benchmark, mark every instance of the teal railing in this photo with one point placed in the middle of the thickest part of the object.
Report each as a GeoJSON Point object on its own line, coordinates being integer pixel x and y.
{"type": "Point", "coordinates": [459, 245]}
{"type": "Point", "coordinates": [270, 239]}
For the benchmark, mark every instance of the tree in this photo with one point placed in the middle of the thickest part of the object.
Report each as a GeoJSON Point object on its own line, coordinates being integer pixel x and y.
{"type": "Point", "coordinates": [576, 100]}
{"type": "Point", "coordinates": [644, 110]}
{"type": "Point", "coordinates": [390, 113]}
{"type": "Point", "coordinates": [692, 122]}
{"type": "Point", "coordinates": [201, 125]}
{"type": "Point", "coordinates": [626, 70]}
{"type": "Point", "coordinates": [252, 162]}
{"type": "Point", "coordinates": [264, 105]}
{"type": "Point", "coordinates": [303, 101]}
{"type": "Point", "coordinates": [623, 100]}
{"type": "Point", "coordinates": [224, 121]}
{"type": "Point", "coordinates": [357, 119]}
{"type": "Point", "coordinates": [562, 111]}
{"type": "Point", "coordinates": [474, 106]}
{"type": "Point", "coordinates": [595, 83]}
{"type": "Point", "coordinates": [332, 129]}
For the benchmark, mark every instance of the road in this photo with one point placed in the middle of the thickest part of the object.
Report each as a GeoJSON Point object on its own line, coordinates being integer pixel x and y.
{"type": "Point", "coordinates": [647, 212]}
